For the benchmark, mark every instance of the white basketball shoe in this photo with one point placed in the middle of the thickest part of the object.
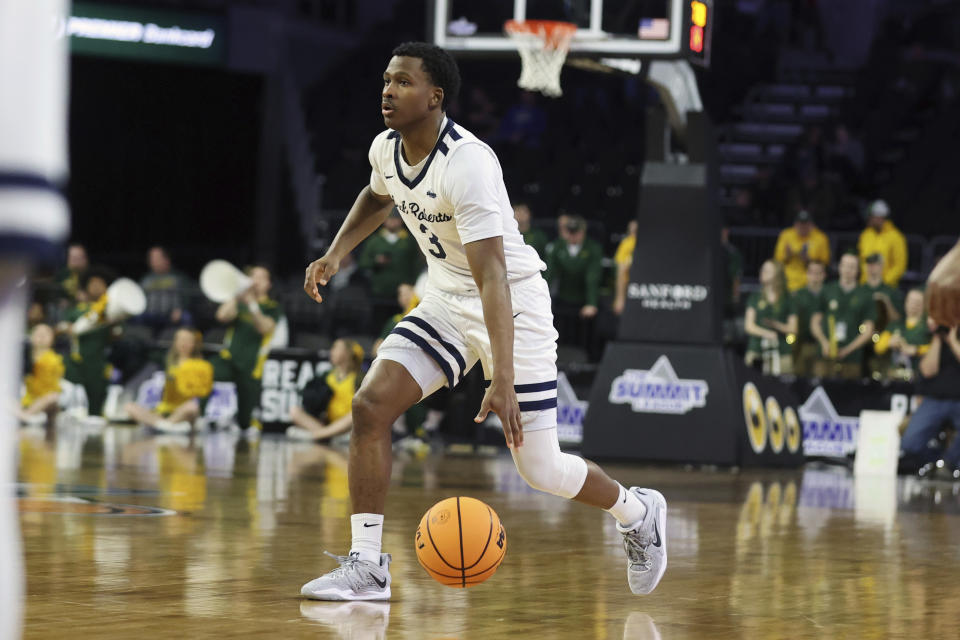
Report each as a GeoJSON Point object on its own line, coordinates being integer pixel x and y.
{"type": "Point", "coordinates": [354, 579]}
{"type": "Point", "coordinates": [646, 544]}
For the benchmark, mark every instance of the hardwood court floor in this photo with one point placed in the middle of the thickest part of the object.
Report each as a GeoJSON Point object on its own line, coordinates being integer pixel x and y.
{"type": "Point", "coordinates": [786, 554]}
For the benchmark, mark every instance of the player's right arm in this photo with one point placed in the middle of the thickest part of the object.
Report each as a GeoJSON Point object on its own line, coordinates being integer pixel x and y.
{"type": "Point", "coordinates": [366, 215]}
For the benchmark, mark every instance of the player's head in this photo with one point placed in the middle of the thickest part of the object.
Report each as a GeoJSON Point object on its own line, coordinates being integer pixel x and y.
{"type": "Point", "coordinates": [158, 259]}
{"type": "Point", "coordinates": [421, 79]}
{"type": "Point", "coordinates": [914, 303]}
{"type": "Point", "coordinates": [848, 268]}
{"type": "Point", "coordinates": [874, 267]}
{"type": "Point", "coordinates": [41, 336]}
{"type": "Point", "coordinates": [260, 277]}
{"type": "Point", "coordinates": [816, 274]}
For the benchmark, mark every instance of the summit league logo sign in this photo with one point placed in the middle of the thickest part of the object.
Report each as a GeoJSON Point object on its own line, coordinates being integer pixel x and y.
{"type": "Point", "coordinates": [658, 390]}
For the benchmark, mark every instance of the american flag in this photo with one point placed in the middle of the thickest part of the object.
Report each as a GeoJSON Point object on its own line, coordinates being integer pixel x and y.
{"type": "Point", "coordinates": [654, 29]}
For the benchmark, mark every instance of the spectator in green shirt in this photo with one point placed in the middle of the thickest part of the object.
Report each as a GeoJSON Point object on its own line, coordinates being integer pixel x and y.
{"type": "Point", "coordinates": [534, 237]}
{"type": "Point", "coordinates": [806, 302]}
{"type": "Point", "coordinates": [907, 340]}
{"type": "Point", "coordinates": [69, 276]}
{"type": "Point", "coordinates": [251, 319]}
{"type": "Point", "coordinates": [888, 299]}
{"type": "Point", "coordinates": [574, 269]}
{"type": "Point", "coordinates": [389, 258]}
{"type": "Point", "coordinates": [771, 323]}
{"type": "Point", "coordinates": [844, 323]}
{"type": "Point", "coordinates": [89, 336]}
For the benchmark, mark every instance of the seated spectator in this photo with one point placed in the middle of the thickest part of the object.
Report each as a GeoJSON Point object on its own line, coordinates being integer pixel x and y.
{"type": "Point", "coordinates": [44, 373]}
{"type": "Point", "coordinates": [843, 325]}
{"type": "Point", "coordinates": [797, 246]}
{"type": "Point", "coordinates": [164, 288]}
{"type": "Point", "coordinates": [69, 277]}
{"type": "Point", "coordinates": [939, 384]}
{"type": "Point", "coordinates": [623, 259]}
{"type": "Point", "coordinates": [328, 400]}
{"type": "Point", "coordinates": [534, 237]}
{"type": "Point", "coordinates": [881, 236]}
{"type": "Point", "coordinates": [251, 319]}
{"type": "Point", "coordinates": [806, 302]}
{"type": "Point", "coordinates": [888, 299]}
{"type": "Point", "coordinates": [189, 379]}
{"type": "Point", "coordinates": [771, 324]}
{"type": "Point", "coordinates": [89, 331]}
{"type": "Point", "coordinates": [390, 257]}
{"type": "Point", "coordinates": [574, 269]}
{"type": "Point", "coordinates": [906, 340]}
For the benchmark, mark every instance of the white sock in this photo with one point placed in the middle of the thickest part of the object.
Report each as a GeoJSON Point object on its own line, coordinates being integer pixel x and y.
{"type": "Point", "coordinates": [367, 533]}
{"type": "Point", "coordinates": [628, 510]}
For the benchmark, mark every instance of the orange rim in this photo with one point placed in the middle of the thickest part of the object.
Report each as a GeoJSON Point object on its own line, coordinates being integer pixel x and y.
{"type": "Point", "coordinates": [555, 34]}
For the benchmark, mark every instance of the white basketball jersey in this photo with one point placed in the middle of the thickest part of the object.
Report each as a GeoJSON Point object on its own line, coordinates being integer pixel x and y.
{"type": "Point", "coordinates": [454, 196]}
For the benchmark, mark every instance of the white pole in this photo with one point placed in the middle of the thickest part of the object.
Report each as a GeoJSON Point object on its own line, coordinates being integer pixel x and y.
{"type": "Point", "coordinates": [596, 16]}
{"type": "Point", "coordinates": [520, 10]}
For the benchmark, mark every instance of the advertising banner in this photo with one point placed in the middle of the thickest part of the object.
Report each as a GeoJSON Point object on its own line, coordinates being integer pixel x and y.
{"type": "Point", "coordinates": [688, 403]}
{"type": "Point", "coordinates": [124, 31]}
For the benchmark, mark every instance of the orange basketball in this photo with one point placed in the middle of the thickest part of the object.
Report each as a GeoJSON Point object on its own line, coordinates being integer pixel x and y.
{"type": "Point", "coordinates": [460, 542]}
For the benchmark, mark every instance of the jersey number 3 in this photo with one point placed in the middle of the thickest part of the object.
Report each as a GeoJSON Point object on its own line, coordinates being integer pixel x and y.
{"type": "Point", "coordinates": [439, 254]}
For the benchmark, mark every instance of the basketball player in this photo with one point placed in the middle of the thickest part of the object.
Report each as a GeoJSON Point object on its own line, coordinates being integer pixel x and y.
{"type": "Point", "coordinates": [486, 301]}
{"type": "Point", "coordinates": [33, 224]}
{"type": "Point", "coordinates": [943, 290]}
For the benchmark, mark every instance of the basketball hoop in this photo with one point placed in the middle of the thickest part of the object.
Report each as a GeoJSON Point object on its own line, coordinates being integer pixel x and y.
{"type": "Point", "coordinates": [543, 47]}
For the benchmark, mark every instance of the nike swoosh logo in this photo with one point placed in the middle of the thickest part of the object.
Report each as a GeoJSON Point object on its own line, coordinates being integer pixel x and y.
{"type": "Point", "coordinates": [517, 313]}
{"type": "Point", "coordinates": [366, 524]}
{"type": "Point", "coordinates": [380, 583]}
{"type": "Point", "coordinates": [656, 535]}
{"type": "Point", "coordinates": [387, 177]}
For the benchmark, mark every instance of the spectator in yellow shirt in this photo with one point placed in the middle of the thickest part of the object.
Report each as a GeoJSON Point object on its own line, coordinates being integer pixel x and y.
{"type": "Point", "coordinates": [42, 383]}
{"type": "Point", "coordinates": [189, 379]}
{"type": "Point", "coordinates": [882, 237]}
{"type": "Point", "coordinates": [797, 246]}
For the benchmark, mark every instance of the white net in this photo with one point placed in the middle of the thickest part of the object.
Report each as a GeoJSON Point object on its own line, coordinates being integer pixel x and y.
{"type": "Point", "coordinates": [543, 47]}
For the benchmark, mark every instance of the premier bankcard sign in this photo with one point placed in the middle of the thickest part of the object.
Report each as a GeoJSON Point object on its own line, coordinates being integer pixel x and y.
{"type": "Point", "coordinates": [122, 31]}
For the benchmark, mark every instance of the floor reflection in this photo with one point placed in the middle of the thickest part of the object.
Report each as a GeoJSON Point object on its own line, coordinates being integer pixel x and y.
{"type": "Point", "coordinates": [787, 553]}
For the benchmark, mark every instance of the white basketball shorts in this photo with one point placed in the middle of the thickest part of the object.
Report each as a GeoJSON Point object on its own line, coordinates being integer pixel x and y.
{"type": "Point", "coordinates": [441, 340]}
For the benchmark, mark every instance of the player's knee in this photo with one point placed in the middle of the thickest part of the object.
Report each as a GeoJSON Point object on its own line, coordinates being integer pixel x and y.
{"type": "Point", "coordinates": [553, 472]}
{"type": "Point", "coordinates": [370, 415]}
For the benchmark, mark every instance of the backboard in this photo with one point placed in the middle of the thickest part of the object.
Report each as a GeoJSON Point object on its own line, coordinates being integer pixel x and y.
{"type": "Point", "coordinates": [611, 28]}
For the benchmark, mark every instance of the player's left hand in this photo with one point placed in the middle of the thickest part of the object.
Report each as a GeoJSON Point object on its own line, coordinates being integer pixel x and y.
{"type": "Point", "coordinates": [502, 400]}
{"type": "Point", "coordinates": [588, 311]}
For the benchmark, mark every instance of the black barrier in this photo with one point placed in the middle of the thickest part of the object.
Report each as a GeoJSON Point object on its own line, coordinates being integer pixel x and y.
{"type": "Point", "coordinates": [677, 403]}
{"type": "Point", "coordinates": [675, 292]}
